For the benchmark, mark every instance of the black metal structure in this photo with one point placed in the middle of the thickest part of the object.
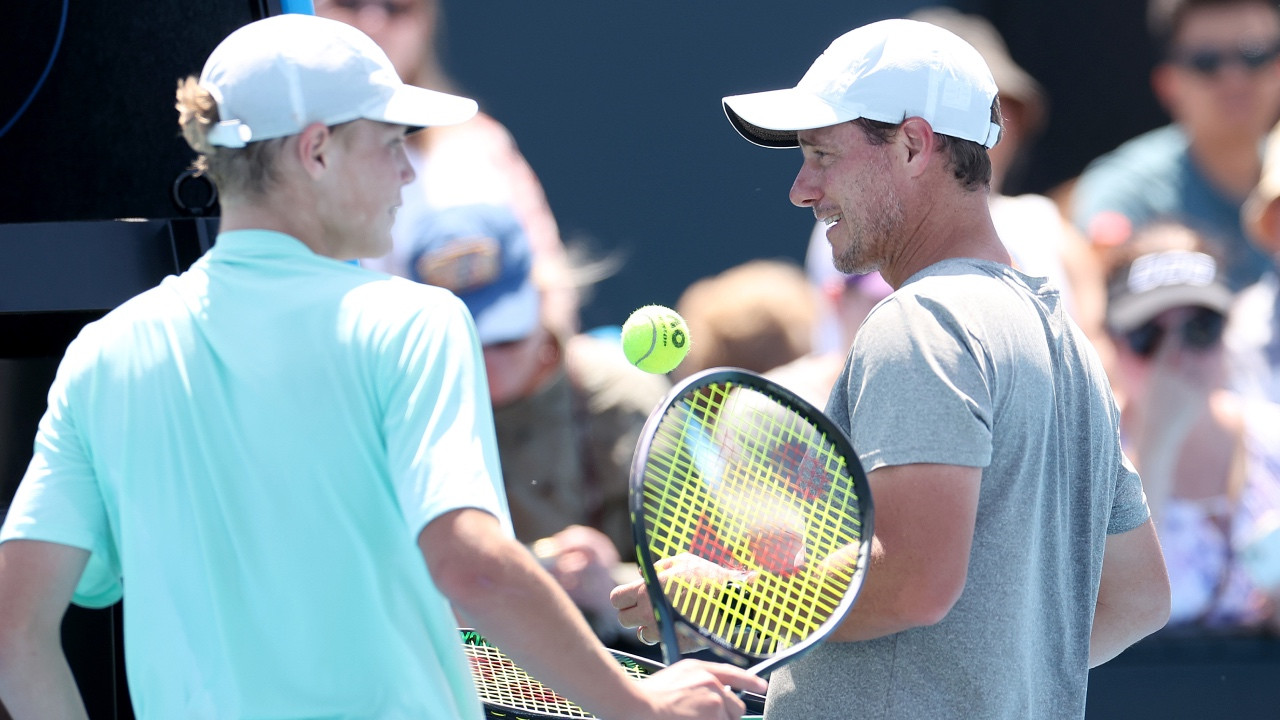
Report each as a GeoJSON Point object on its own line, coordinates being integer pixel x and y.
{"type": "Point", "coordinates": [97, 204]}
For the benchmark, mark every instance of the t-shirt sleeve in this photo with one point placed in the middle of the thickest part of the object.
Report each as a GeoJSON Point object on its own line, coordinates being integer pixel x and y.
{"type": "Point", "coordinates": [59, 499]}
{"type": "Point", "coordinates": [1129, 505]}
{"type": "Point", "coordinates": [441, 444]}
{"type": "Point", "coordinates": [918, 388]}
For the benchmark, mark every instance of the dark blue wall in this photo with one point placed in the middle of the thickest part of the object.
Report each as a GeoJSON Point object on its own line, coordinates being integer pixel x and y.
{"type": "Point", "coordinates": [616, 106]}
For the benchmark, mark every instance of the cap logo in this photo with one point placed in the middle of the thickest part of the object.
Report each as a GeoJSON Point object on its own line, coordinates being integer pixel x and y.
{"type": "Point", "coordinates": [465, 264]}
{"type": "Point", "coordinates": [1171, 268]}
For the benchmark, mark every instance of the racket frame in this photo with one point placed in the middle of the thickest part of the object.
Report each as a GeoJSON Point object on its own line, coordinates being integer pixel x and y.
{"type": "Point", "coordinates": [666, 617]}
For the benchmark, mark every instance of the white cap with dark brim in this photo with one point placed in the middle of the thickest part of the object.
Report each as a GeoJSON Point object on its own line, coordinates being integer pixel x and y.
{"type": "Point", "coordinates": [886, 71]}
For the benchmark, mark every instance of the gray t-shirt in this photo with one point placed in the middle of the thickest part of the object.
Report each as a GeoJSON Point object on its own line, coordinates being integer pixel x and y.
{"type": "Point", "coordinates": [973, 363]}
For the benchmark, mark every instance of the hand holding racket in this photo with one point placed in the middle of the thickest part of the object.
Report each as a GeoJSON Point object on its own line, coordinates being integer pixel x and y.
{"type": "Point", "coordinates": [752, 519]}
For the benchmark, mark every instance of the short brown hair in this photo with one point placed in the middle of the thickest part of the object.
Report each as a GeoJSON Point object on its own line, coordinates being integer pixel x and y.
{"type": "Point", "coordinates": [235, 171]}
{"type": "Point", "coordinates": [968, 160]}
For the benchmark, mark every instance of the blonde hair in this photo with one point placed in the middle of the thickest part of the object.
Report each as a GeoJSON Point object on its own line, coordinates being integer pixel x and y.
{"type": "Point", "coordinates": [235, 171]}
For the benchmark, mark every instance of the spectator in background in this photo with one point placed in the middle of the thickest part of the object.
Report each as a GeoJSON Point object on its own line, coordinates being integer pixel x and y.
{"type": "Point", "coordinates": [1253, 347]}
{"type": "Point", "coordinates": [1188, 434]}
{"type": "Point", "coordinates": [568, 407]}
{"type": "Point", "coordinates": [756, 316]}
{"type": "Point", "coordinates": [475, 164]}
{"type": "Point", "coordinates": [844, 300]}
{"type": "Point", "coordinates": [1253, 336]}
{"type": "Point", "coordinates": [1219, 80]}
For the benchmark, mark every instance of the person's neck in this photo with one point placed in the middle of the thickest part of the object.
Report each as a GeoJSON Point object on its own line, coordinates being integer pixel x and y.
{"type": "Point", "coordinates": [959, 227]}
{"type": "Point", "coordinates": [264, 215]}
{"type": "Point", "coordinates": [1230, 162]}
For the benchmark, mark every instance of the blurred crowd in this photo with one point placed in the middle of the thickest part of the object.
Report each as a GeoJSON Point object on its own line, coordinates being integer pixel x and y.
{"type": "Point", "coordinates": [1164, 251]}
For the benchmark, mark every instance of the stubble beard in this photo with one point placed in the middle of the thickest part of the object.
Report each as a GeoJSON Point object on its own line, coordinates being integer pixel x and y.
{"type": "Point", "coordinates": [871, 239]}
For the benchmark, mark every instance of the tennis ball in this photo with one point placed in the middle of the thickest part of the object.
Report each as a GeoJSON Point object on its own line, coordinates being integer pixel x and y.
{"type": "Point", "coordinates": [655, 339]}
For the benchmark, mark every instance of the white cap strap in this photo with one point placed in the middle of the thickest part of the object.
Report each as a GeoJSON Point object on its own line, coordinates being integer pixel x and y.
{"type": "Point", "coordinates": [993, 136]}
{"type": "Point", "coordinates": [230, 133]}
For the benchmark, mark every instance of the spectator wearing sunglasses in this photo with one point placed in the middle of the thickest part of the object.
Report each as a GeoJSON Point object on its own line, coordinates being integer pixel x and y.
{"type": "Point", "coordinates": [1219, 80]}
{"type": "Point", "coordinates": [1187, 433]}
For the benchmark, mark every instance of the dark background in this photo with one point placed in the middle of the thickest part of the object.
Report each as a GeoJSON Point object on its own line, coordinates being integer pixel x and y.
{"type": "Point", "coordinates": [615, 105]}
{"type": "Point", "coordinates": [617, 108]}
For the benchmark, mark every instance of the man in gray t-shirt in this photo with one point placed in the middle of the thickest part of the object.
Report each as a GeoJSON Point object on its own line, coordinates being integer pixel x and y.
{"type": "Point", "coordinates": [972, 364]}
{"type": "Point", "coordinates": [1013, 547]}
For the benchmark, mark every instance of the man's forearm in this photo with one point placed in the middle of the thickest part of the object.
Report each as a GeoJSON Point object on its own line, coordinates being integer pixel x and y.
{"type": "Point", "coordinates": [1113, 631]}
{"type": "Point", "coordinates": [1133, 593]}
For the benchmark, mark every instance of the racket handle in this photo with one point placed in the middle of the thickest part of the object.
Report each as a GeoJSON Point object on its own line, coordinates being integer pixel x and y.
{"type": "Point", "coordinates": [754, 703]}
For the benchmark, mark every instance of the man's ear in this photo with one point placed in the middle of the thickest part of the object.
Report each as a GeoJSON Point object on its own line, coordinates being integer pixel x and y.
{"type": "Point", "coordinates": [312, 151]}
{"type": "Point", "coordinates": [918, 140]}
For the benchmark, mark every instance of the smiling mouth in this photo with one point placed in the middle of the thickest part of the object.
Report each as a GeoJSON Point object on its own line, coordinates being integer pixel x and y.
{"type": "Point", "coordinates": [831, 220]}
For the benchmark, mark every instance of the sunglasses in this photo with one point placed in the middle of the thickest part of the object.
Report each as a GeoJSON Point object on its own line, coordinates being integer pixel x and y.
{"type": "Point", "coordinates": [1209, 62]}
{"type": "Point", "coordinates": [1200, 331]}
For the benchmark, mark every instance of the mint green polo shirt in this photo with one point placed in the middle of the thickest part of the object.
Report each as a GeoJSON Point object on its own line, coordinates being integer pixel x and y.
{"type": "Point", "coordinates": [249, 451]}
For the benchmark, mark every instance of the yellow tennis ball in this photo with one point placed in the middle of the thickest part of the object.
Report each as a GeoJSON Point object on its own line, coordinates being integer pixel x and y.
{"type": "Point", "coordinates": [655, 339]}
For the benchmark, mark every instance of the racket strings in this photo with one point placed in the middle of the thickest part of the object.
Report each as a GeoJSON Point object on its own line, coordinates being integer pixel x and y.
{"type": "Point", "coordinates": [752, 486]}
{"type": "Point", "coordinates": [499, 681]}
{"type": "Point", "coordinates": [501, 684]}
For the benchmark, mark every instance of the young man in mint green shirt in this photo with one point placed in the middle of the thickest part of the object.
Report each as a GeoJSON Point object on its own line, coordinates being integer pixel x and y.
{"type": "Point", "coordinates": [288, 462]}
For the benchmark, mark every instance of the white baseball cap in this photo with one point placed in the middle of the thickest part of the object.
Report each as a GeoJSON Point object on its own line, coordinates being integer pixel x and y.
{"type": "Point", "coordinates": [273, 77]}
{"type": "Point", "coordinates": [886, 71]}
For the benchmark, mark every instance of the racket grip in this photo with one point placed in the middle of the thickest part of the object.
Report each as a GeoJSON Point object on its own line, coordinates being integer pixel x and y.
{"type": "Point", "coordinates": [753, 701]}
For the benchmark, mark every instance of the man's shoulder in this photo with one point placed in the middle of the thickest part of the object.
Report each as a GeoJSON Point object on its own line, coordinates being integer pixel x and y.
{"type": "Point", "coordinates": [957, 277]}
{"type": "Point", "coordinates": [392, 295]}
{"type": "Point", "coordinates": [949, 296]}
{"type": "Point", "coordinates": [162, 303]}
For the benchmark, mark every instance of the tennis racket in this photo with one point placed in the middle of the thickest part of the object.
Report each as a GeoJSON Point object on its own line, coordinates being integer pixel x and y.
{"type": "Point", "coordinates": [510, 693]}
{"type": "Point", "coordinates": [755, 510]}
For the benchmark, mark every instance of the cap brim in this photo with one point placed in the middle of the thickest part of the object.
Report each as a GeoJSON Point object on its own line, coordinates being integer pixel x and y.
{"type": "Point", "coordinates": [1129, 312]}
{"type": "Point", "coordinates": [419, 107]}
{"type": "Point", "coordinates": [771, 119]}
